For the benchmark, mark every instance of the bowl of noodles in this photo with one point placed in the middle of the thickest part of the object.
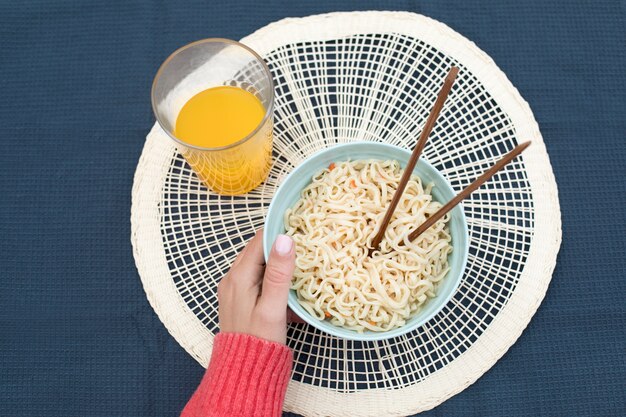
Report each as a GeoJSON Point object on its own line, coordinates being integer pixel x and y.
{"type": "Point", "coordinates": [332, 205]}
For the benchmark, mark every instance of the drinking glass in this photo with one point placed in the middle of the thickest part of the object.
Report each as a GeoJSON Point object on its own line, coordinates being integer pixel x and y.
{"type": "Point", "coordinates": [241, 166]}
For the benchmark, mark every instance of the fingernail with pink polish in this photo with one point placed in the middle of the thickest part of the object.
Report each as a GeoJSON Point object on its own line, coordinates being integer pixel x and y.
{"type": "Point", "coordinates": [283, 244]}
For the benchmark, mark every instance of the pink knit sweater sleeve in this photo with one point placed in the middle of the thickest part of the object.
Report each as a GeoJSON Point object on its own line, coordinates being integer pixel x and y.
{"type": "Point", "coordinates": [247, 376]}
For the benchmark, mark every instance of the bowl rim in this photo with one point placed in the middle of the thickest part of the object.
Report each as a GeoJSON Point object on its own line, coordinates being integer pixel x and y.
{"type": "Point", "coordinates": [352, 334]}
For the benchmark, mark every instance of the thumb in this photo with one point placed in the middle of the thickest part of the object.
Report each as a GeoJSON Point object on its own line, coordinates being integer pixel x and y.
{"type": "Point", "coordinates": [278, 274]}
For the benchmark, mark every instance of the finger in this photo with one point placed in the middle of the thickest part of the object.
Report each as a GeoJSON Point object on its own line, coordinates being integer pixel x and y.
{"type": "Point", "coordinates": [293, 317]}
{"type": "Point", "coordinates": [239, 257]}
{"type": "Point", "coordinates": [224, 296]}
{"type": "Point", "coordinates": [254, 252]}
{"type": "Point", "coordinates": [238, 291]}
{"type": "Point", "coordinates": [248, 267]}
{"type": "Point", "coordinates": [278, 274]}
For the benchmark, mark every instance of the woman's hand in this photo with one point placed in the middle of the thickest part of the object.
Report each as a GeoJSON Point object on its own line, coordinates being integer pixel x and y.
{"type": "Point", "coordinates": [252, 296]}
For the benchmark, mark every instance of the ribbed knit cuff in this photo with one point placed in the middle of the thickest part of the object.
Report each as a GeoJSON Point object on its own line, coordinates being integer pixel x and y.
{"type": "Point", "coordinates": [247, 376]}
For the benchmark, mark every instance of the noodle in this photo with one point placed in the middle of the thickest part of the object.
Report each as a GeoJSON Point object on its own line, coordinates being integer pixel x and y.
{"type": "Point", "coordinates": [333, 225]}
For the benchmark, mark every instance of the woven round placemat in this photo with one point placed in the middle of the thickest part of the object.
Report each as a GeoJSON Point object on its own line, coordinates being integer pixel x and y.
{"type": "Point", "coordinates": [344, 77]}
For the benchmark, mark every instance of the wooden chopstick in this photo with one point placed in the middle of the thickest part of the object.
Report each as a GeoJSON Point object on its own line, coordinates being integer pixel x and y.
{"type": "Point", "coordinates": [468, 190]}
{"type": "Point", "coordinates": [419, 146]}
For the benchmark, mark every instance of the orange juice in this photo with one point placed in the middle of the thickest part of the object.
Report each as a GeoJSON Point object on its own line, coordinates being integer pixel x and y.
{"type": "Point", "coordinates": [219, 117]}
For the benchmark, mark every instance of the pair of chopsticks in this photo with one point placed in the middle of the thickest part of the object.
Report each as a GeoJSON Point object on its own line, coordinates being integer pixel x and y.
{"type": "Point", "coordinates": [428, 127]}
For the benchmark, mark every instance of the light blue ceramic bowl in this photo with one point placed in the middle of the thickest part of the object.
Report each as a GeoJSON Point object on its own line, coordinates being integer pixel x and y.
{"type": "Point", "coordinates": [289, 192]}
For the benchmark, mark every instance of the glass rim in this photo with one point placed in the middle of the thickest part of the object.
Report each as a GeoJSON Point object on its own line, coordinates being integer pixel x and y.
{"type": "Point", "coordinates": [266, 116]}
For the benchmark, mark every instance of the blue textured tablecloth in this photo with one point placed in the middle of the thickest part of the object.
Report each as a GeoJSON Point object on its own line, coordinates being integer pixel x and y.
{"type": "Point", "coordinates": [77, 336]}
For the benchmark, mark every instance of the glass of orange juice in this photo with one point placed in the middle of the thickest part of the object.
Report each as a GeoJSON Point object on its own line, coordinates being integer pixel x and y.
{"type": "Point", "coordinates": [215, 99]}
